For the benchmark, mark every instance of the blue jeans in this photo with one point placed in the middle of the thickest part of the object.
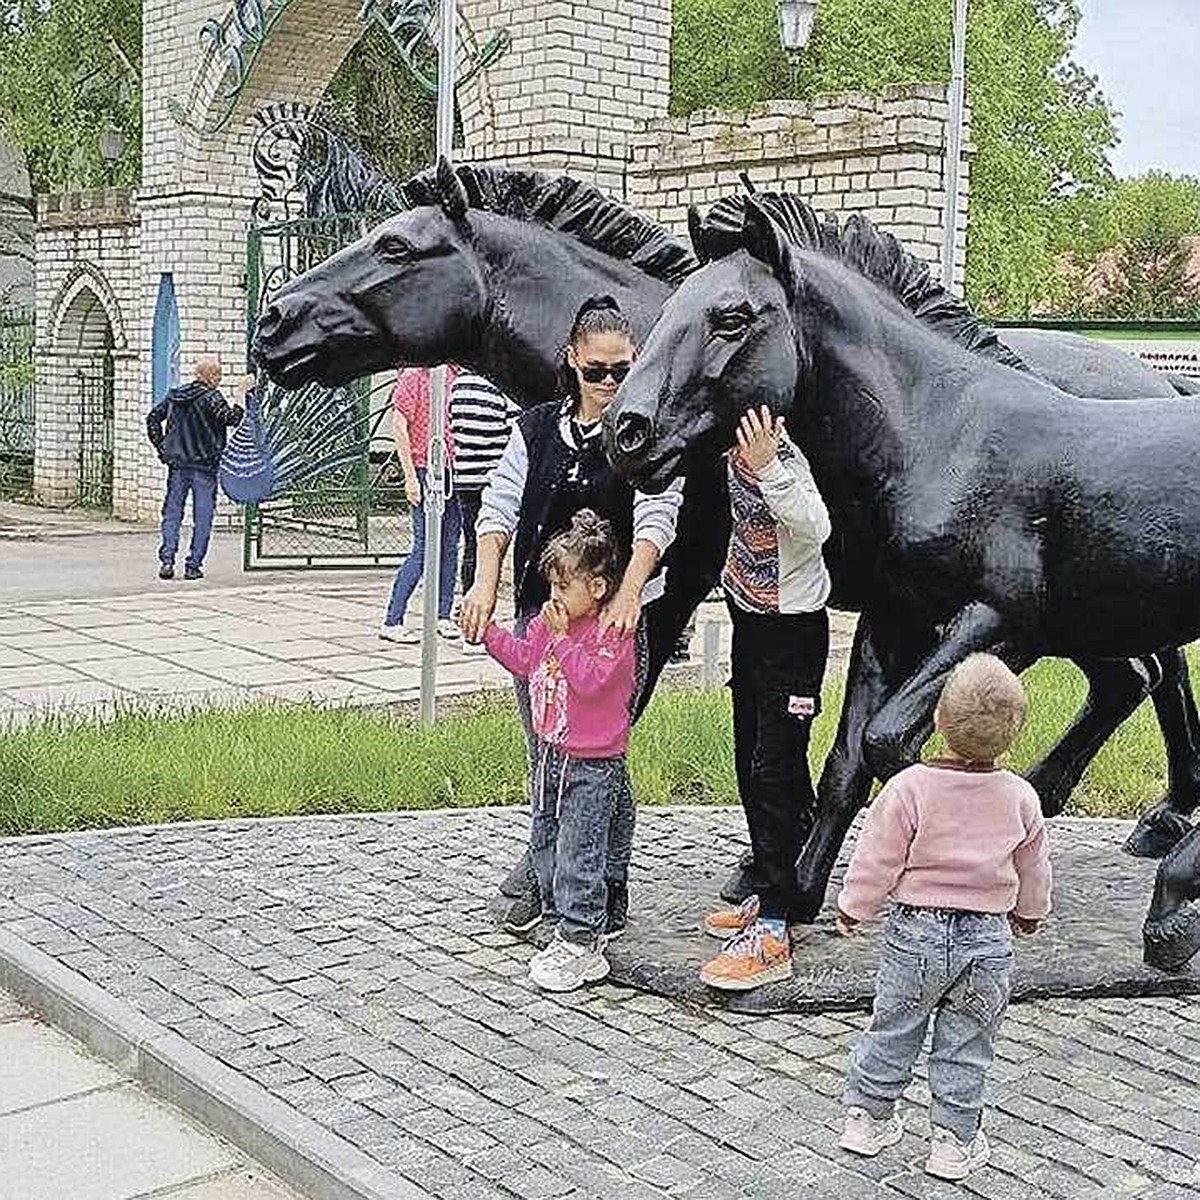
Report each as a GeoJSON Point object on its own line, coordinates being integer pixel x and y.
{"type": "Point", "coordinates": [411, 569]}
{"type": "Point", "coordinates": [954, 966]}
{"type": "Point", "coordinates": [203, 486]}
{"type": "Point", "coordinates": [574, 800]}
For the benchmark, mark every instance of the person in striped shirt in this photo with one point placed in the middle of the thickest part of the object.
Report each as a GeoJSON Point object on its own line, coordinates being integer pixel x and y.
{"type": "Point", "coordinates": [482, 417]}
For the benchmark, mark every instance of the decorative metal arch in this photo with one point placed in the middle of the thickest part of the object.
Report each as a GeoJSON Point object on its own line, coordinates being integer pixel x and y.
{"type": "Point", "coordinates": [233, 44]}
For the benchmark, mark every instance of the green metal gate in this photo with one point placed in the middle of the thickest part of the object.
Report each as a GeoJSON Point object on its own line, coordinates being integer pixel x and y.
{"type": "Point", "coordinates": [354, 513]}
{"type": "Point", "coordinates": [95, 393]}
{"type": "Point", "coordinates": [16, 406]}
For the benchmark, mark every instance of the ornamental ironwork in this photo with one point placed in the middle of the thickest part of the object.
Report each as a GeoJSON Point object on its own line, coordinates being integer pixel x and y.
{"type": "Point", "coordinates": [232, 45]}
{"type": "Point", "coordinates": [307, 169]}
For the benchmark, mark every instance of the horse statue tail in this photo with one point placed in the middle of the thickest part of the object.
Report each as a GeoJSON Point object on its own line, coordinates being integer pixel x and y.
{"type": "Point", "coordinates": [286, 438]}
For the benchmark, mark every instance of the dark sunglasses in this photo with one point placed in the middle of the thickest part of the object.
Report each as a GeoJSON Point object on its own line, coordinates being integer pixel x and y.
{"type": "Point", "coordinates": [598, 374]}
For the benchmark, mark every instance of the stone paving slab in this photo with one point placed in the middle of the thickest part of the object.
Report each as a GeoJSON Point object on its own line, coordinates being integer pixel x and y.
{"type": "Point", "coordinates": [350, 967]}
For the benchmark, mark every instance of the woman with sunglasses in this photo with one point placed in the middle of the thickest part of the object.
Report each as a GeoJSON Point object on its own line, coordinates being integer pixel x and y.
{"type": "Point", "coordinates": [554, 465]}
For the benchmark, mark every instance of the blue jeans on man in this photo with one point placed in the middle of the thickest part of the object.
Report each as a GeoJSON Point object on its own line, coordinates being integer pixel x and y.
{"type": "Point", "coordinates": [201, 484]}
{"type": "Point", "coordinates": [954, 966]}
{"type": "Point", "coordinates": [411, 569]}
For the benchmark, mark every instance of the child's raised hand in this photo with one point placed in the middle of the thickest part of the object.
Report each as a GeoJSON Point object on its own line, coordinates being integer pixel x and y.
{"type": "Point", "coordinates": [555, 617]}
{"type": "Point", "coordinates": [758, 437]}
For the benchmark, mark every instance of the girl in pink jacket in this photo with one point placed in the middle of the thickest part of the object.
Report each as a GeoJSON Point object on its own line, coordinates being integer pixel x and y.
{"type": "Point", "coordinates": [580, 688]}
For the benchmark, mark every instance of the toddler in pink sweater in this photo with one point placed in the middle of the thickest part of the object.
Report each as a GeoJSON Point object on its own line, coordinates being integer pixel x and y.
{"type": "Point", "coordinates": [580, 686]}
{"type": "Point", "coordinates": [960, 847]}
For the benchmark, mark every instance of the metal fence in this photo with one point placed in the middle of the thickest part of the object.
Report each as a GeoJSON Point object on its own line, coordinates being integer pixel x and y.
{"type": "Point", "coordinates": [16, 405]}
{"type": "Point", "coordinates": [355, 513]}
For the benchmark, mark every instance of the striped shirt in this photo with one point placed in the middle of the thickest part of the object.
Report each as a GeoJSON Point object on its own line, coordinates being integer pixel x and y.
{"type": "Point", "coordinates": [482, 417]}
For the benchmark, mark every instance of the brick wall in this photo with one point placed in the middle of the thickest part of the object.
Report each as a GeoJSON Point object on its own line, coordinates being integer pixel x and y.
{"type": "Point", "coordinates": [883, 156]}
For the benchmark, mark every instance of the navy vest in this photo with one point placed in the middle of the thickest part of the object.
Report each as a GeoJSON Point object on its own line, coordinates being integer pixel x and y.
{"type": "Point", "coordinates": [562, 479]}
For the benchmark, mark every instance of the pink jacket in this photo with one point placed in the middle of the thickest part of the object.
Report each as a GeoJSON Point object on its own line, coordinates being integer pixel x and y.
{"type": "Point", "coordinates": [580, 684]}
{"type": "Point", "coordinates": [944, 835]}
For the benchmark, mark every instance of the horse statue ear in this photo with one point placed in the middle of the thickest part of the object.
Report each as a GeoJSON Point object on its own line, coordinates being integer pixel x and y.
{"type": "Point", "coordinates": [768, 243]}
{"type": "Point", "coordinates": [696, 233]}
{"type": "Point", "coordinates": [451, 192]}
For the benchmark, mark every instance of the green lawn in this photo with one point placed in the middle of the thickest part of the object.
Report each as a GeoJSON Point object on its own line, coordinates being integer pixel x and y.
{"type": "Point", "coordinates": [276, 760]}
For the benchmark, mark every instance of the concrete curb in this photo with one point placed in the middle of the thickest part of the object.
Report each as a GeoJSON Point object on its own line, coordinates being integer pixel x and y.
{"type": "Point", "coordinates": [306, 1156]}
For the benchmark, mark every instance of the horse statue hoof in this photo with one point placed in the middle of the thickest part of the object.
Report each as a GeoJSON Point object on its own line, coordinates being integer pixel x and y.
{"type": "Point", "coordinates": [742, 883]}
{"type": "Point", "coordinates": [1170, 943]}
{"type": "Point", "coordinates": [516, 881]}
{"type": "Point", "coordinates": [1158, 831]}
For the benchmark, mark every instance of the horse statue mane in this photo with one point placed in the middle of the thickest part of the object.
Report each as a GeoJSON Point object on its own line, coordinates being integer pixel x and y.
{"type": "Point", "coordinates": [557, 202]}
{"type": "Point", "coordinates": [873, 253]}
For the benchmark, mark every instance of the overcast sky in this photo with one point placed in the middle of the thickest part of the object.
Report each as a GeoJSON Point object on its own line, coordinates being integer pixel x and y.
{"type": "Point", "coordinates": [1147, 54]}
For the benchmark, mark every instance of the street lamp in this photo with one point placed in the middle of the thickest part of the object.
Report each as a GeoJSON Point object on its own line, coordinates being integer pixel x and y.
{"type": "Point", "coordinates": [796, 19]}
{"type": "Point", "coordinates": [112, 146]}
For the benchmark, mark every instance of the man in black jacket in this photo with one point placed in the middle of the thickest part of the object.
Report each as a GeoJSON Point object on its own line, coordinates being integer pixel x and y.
{"type": "Point", "coordinates": [196, 416]}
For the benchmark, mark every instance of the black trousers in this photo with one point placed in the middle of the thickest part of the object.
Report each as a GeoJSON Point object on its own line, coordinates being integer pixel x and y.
{"type": "Point", "coordinates": [469, 500]}
{"type": "Point", "coordinates": [778, 663]}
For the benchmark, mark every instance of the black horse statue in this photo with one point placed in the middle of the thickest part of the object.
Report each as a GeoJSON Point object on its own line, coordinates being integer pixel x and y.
{"type": "Point", "coordinates": [1015, 517]}
{"type": "Point", "coordinates": [480, 272]}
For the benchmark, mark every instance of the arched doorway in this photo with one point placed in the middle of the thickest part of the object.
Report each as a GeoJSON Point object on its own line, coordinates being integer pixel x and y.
{"type": "Point", "coordinates": [85, 338]}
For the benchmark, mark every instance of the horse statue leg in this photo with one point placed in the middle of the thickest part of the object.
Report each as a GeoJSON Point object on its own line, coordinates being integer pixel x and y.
{"type": "Point", "coordinates": [1171, 933]}
{"type": "Point", "coordinates": [1166, 824]}
{"type": "Point", "coordinates": [896, 734]}
{"type": "Point", "coordinates": [1115, 688]}
{"type": "Point", "coordinates": [882, 656]}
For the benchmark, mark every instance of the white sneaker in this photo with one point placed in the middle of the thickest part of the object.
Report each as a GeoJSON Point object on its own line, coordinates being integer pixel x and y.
{"type": "Point", "coordinates": [950, 1159]}
{"type": "Point", "coordinates": [473, 647]}
{"type": "Point", "coordinates": [399, 633]}
{"type": "Point", "coordinates": [564, 966]}
{"type": "Point", "coordinates": [448, 629]}
{"type": "Point", "coordinates": [864, 1134]}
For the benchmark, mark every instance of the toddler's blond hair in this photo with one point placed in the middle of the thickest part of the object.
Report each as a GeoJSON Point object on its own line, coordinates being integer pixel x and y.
{"type": "Point", "coordinates": [981, 709]}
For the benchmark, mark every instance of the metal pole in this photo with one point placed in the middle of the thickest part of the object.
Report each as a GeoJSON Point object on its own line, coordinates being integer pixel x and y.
{"type": "Point", "coordinates": [954, 140]}
{"type": "Point", "coordinates": [434, 499]}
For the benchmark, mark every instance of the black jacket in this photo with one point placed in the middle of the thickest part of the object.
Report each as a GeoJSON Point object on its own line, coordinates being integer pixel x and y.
{"type": "Point", "coordinates": [196, 417]}
{"type": "Point", "coordinates": [562, 479]}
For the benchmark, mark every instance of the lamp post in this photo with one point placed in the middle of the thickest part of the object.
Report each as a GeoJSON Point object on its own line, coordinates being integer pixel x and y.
{"type": "Point", "coordinates": [796, 19]}
{"type": "Point", "coordinates": [112, 146]}
{"type": "Point", "coordinates": [954, 140]}
{"type": "Point", "coordinates": [434, 498]}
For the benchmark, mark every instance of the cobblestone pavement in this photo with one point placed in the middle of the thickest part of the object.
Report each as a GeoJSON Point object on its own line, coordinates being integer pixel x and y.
{"type": "Point", "coordinates": [350, 966]}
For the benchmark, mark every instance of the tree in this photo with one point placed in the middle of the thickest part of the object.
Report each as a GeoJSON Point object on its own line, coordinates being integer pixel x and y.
{"type": "Point", "coordinates": [1138, 265]}
{"type": "Point", "coordinates": [1040, 125]}
{"type": "Point", "coordinates": [69, 70]}
{"type": "Point", "coordinates": [381, 106]}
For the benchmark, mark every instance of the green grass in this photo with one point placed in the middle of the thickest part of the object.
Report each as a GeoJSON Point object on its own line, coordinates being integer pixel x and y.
{"type": "Point", "coordinates": [289, 760]}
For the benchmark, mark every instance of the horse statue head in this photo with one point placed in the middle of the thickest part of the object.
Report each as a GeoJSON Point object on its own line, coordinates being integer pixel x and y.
{"type": "Point", "coordinates": [726, 341]}
{"type": "Point", "coordinates": [338, 321]}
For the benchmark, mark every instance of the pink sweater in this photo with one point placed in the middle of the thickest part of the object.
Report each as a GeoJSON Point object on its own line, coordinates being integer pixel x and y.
{"type": "Point", "coordinates": [580, 684]}
{"type": "Point", "coordinates": [941, 835]}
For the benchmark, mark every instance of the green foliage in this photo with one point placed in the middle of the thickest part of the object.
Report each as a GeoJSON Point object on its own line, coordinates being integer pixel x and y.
{"type": "Point", "coordinates": [381, 106]}
{"type": "Point", "coordinates": [69, 70]}
{"type": "Point", "coordinates": [1040, 126]}
{"type": "Point", "coordinates": [277, 760]}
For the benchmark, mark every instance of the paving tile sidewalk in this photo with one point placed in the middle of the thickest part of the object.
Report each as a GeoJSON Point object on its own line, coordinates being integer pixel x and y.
{"type": "Point", "coordinates": [351, 967]}
{"type": "Point", "coordinates": [72, 1128]}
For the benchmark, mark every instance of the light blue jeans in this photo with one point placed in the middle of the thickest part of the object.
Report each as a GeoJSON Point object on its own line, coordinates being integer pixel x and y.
{"type": "Point", "coordinates": [412, 568]}
{"type": "Point", "coordinates": [954, 966]}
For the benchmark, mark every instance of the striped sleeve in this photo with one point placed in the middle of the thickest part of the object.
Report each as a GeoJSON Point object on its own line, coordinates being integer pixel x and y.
{"type": "Point", "coordinates": [482, 418]}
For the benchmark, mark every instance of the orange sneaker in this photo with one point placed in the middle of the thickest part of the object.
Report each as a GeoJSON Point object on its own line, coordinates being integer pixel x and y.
{"type": "Point", "coordinates": [752, 958]}
{"type": "Point", "coordinates": [729, 922]}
